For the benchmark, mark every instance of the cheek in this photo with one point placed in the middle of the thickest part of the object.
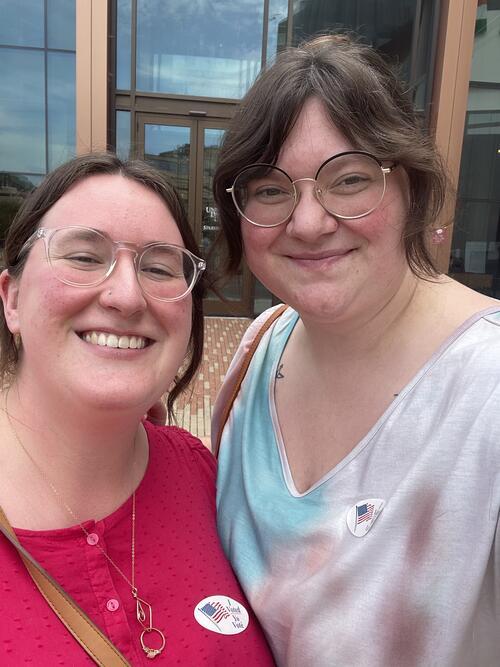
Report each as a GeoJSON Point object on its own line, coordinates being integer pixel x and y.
{"type": "Point", "coordinates": [43, 299]}
{"type": "Point", "coordinates": [257, 240]}
{"type": "Point", "coordinates": [385, 226]}
{"type": "Point", "coordinates": [175, 318]}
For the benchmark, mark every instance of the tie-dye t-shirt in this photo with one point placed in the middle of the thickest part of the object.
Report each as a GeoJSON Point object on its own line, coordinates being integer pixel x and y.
{"type": "Point", "coordinates": [392, 559]}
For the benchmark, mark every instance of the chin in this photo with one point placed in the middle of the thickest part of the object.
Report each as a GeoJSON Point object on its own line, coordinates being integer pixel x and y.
{"type": "Point", "coordinates": [117, 397]}
{"type": "Point", "coordinates": [313, 305]}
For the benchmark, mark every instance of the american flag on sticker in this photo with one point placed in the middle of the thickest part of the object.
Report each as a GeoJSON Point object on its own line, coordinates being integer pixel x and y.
{"type": "Point", "coordinates": [364, 513]}
{"type": "Point", "coordinates": [216, 611]}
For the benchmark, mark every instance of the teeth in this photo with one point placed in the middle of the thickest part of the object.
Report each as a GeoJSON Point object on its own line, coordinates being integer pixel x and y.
{"type": "Point", "coordinates": [124, 343]}
{"type": "Point", "coordinates": [112, 340]}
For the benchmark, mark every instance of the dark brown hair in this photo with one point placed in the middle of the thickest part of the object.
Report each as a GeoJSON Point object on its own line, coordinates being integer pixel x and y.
{"type": "Point", "coordinates": [52, 188]}
{"type": "Point", "coordinates": [365, 101]}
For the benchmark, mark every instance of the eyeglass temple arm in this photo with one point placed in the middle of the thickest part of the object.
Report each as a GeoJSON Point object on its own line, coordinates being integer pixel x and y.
{"type": "Point", "coordinates": [38, 234]}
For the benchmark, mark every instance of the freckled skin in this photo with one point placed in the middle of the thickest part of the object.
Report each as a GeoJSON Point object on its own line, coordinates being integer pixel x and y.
{"type": "Point", "coordinates": [48, 313]}
{"type": "Point", "coordinates": [376, 267]}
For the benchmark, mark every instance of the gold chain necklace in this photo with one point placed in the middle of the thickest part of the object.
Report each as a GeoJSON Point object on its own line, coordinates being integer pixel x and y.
{"type": "Point", "coordinates": [143, 610]}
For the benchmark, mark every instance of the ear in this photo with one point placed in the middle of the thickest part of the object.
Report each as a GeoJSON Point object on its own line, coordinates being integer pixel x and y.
{"type": "Point", "coordinates": [9, 293]}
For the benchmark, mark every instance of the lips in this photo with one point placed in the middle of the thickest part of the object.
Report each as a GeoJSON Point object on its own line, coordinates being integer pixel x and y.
{"type": "Point", "coordinates": [320, 261]}
{"type": "Point", "coordinates": [123, 342]}
{"type": "Point", "coordinates": [318, 256]}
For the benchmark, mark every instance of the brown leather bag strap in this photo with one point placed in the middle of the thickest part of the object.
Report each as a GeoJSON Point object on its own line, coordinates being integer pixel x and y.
{"type": "Point", "coordinates": [243, 371]}
{"type": "Point", "coordinates": [88, 635]}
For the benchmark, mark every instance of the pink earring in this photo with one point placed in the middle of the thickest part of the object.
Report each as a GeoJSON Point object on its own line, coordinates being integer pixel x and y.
{"type": "Point", "coordinates": [438, 235]}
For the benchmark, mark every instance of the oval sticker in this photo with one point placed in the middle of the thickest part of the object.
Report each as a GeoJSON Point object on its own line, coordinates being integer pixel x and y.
{"type": "Point", "coordinates": [222, 614]}
{"type": "Point", "coordinates": [363, 514]}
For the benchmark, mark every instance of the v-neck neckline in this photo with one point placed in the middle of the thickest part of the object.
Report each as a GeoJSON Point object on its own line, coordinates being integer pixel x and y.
{"type": "Point", "coordinates": [368, 437]}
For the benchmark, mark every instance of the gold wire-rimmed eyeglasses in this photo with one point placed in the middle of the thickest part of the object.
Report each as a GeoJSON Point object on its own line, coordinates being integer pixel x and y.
{"type": "Point", "coordinates": [348, 185]}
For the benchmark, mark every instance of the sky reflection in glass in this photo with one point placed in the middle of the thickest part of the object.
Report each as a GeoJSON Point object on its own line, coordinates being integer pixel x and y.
{"type": "Point", "coordinates": [21, 24]}
{"type": "Point", "coordinates": [61, 23]}
{"type": "Point", "coordinates": [22, 111]}
{"type": "Point", "coordinates": [61, 107]}
{"type": "Point", "coordinates": [123, 43]}
{"type": "Point", "coordinates": [222, 62]}
{"type": "Point", "coordinates": [123, 134]}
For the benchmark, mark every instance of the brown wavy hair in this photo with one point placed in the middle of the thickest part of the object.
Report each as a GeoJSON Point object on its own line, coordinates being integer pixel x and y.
{"type": "Point", "coordinates": [52, 188]}
{"type": "Point", "coordinates": [366, 100]}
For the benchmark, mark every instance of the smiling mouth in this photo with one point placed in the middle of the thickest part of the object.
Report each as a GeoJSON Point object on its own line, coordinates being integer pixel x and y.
{"type": "Point", "coordinates": [321, 260]}
{"type": "Point", "coordinates": [104, 339]}
{"type": "Point", "coordinates": [321, 256]}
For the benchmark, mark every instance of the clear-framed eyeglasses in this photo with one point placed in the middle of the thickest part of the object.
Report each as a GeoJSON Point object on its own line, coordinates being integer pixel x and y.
{"type": "Point", "coordinates": [349, 185]}
{"type": "Point", "coordinates": [85, 257]}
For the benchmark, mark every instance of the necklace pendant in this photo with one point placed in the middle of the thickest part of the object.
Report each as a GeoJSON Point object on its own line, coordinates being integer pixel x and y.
{"type": "Point", "coordinates": [142, 610]}
{"type": "Point", "coordinates": [151, 653]}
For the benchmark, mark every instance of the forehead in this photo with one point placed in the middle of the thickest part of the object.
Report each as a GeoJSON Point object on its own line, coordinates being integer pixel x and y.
{"type": "Point", "coordinates": [123, 208]}
{"type": "Point", "coordinates": [312, 140]}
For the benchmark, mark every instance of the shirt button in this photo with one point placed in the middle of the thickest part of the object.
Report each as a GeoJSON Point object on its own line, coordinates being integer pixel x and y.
{"type": "Point", "coordinates": [112, 605]}
{"type": "Point", "coordinates": [92, 539]}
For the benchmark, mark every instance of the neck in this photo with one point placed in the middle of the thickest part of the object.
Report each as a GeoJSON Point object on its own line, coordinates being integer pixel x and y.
{"type": "Point", "coordinates": [94, 458]}
{"type": "Point", "coordinates": [366, 333]}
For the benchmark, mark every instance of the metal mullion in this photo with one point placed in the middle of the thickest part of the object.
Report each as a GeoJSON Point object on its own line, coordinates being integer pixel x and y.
{"type": "Point", "coordinates": [46, 91]}
{"type": "Point", "coordinates": [436, 13]}
{"type": "Point", "coordinates": [265, 30]}
{"type": "Point", "coordinates": [199, 148]}
{"type": "Point", "coordinates": [133, 79]}
{"type": "Point", "coordinates": [16, 47]}
{"type": "Point", "coordinates": [289, 24]}
{"type": "Point", "coordinates": [414, 44]}
{"type": "Point", "coordinates": [112, 60]}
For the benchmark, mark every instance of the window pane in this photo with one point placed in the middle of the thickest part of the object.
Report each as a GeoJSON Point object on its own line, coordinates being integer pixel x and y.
{"type": "Point", "coordinates": [209, 219]}
{"type": "Point", "coordinates": [123, 134]}
{"type": "Point", "coordinates": [212, 138]}
{"type": "Point", "coordinates": [13, 189]}
{"type": "Point", "coordinates": [222, 62]}
{"type": "Point", "coordinates": [475, 253]}
{"type": "Point", "coordinates": [21, 23]}
{"type": "Point", "coordinates": [386, 24]}
{"type": "Point", "coordinates": [167, 147]}
{"type": "Point", "coordinates": [61, 107]}
{"type": "Point", "coordinates": [22, 109]}
{"type": "Point", "coordinates": [123, 44]}
{"type": "Point", "coordinates": [61, 23]}
{"type": "Point", "coordinates": [277, 27]}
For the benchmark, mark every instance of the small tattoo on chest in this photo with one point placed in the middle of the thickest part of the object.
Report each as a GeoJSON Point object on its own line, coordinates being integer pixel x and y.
{"type": "Point", "coordinates": [279, 374]}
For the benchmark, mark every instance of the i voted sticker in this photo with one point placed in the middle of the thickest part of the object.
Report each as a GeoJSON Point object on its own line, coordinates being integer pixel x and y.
{"type": "Point", "coordinates": [363, 515]}
{"type": "Point", "coordinates": [220, 613]}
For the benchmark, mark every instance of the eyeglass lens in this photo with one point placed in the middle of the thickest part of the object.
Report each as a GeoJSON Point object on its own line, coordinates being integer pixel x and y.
{"type": "Point", "coordinates": [83, 257]}
{"type": "Point", "coordinates": [349, 186]}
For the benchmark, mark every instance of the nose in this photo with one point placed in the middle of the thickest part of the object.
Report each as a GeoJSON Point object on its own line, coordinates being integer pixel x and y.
{"type": "Point", "coordinates": [121, 290]}
{"type": "Point", "coordinates": [310, 220]}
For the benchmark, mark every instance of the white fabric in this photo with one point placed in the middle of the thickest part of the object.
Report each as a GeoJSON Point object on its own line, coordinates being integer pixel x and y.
{"type": "Point", "coordinates": [422, 587]}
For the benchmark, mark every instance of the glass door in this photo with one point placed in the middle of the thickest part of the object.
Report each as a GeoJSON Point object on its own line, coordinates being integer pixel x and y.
{"type": "Point", "coordinates": [186, 149]}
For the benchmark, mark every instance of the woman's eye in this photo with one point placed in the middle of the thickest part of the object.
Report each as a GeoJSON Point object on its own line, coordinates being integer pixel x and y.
{"type": "Point", "coordinates": [84, 260]}
{"type": "Point", "coordinates": [271, 192]}
{"type": "Point", "coordinates": [354, 182]}
{"type": "Point", "coordinates": [160, 272]}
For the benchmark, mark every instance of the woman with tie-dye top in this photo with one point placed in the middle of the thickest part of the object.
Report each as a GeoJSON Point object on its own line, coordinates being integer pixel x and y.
{"type": "Point", "coordinates": [359, 487]}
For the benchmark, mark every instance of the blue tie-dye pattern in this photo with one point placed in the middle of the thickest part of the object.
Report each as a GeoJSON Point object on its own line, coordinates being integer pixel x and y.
{"type": "Point", "coordinates": [273, 516]}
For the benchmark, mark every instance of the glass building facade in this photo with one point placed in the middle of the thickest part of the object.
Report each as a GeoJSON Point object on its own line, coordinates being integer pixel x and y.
{"type": "Point", "coordinates": [37, 95]}
{"type": "Point", "coordinates": [180, 72]}
{"type": "Point", "coordinates": [475, 250]}
{"type": "Point", "coordinates": [167, 77]}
